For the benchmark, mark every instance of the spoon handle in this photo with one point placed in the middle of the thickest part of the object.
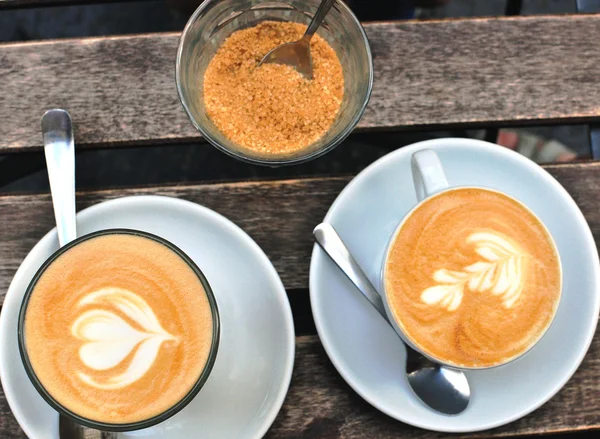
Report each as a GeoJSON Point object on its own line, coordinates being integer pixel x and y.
{"type": "Point", "coordinates": [324, 8]}
{"type": "Point", "coordinates": [59, 148]}
{"type": "Point", "coordinates": [329, 240]}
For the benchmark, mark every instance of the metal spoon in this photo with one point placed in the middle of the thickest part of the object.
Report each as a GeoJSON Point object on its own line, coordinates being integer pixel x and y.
{"type": "Point", "coordinates": [57, 131]}
{"type": "Point", "coordinates": [297, 54]}
{"type": "Point", "coordinates": [443, 389]}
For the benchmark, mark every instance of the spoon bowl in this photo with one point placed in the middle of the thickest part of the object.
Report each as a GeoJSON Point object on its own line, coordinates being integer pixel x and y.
{"type": "Point", "coordinates": [442, 389]}
{"type": "Point", "coordinates": [297, 54]}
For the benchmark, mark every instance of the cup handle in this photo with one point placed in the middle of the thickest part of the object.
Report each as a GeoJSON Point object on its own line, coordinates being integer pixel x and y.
{"type": "Point", "coordinates": [428, 174]}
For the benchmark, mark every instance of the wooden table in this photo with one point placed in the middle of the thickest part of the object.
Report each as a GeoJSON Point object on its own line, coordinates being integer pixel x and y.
{"type": "Point", "coordinates": [454, 74]}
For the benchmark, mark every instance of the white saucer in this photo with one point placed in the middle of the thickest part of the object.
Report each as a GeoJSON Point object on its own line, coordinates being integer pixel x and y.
{"type": "Point", "coordinates": [254, 363]}
{"type": "Point", "coordinates": [367, 352]}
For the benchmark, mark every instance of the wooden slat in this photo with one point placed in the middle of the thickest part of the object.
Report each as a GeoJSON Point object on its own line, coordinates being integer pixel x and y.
{"type": "Point", "coordinates": [281, 223]}
{"type": "Point", "coordinates": [321, 405]}
{"type": "Point", "coordinates": [121, 91]}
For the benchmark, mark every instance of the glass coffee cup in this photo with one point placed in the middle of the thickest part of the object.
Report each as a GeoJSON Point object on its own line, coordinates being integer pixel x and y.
{"type": "Point", "coordinates": [471, 277]}
{"type": "Point", "coordinates": [120, 336]}
{"type": "Point", "coordinates": [215, 20]}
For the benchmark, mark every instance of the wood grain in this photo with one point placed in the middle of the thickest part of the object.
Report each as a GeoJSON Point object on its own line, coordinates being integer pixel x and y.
{"type": "Point", "coordinates": [460, 73]}
{"type": "Point", "coordinates": [279, 215]}
{"type": "Point", "coordinates": [320, 405]}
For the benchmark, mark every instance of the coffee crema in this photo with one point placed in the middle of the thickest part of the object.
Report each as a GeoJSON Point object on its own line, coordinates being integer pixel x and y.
{"type": "Point", "coordinates": [118, 329]}
{"type": "Point", "coordinates": [473, 278]}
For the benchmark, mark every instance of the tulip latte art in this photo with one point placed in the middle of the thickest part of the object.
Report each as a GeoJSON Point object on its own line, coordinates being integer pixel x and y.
{"type": "Point", "coordinates": [500, 272]}
{"type": "Point", "coordinates": [118, 328]}
{"type": "Point", "coordinates": [473, 278]}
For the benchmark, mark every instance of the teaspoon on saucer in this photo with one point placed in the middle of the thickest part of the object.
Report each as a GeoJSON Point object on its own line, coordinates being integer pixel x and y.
{"type": "Point", "coordinates": [443, 389]}
{"type": "Point", "coordinates": [59, 148]}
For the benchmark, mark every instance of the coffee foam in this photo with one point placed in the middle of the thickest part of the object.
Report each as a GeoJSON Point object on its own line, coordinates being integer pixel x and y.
{"type": "Point", "coordinates": [118, 329]}
{"type": "Point", "coordinates": [473, 278]}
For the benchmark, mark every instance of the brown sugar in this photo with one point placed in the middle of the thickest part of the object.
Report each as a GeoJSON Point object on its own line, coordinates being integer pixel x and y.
{"type": "Point", "coordinates": [272, 109]}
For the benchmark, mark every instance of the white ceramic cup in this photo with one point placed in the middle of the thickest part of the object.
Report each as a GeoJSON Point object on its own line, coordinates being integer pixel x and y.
{"type": "Point", "coordinates": [430, 180]}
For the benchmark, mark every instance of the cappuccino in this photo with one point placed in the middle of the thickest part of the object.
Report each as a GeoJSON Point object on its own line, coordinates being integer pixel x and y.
{"type": "Point", "coordinates": [118, 328]}
{"type": "Point", "coordinates": [472, 278]}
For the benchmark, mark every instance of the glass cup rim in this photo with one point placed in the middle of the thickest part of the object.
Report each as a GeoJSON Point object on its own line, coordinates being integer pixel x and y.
{"type": "Point", "coordinates": [397, 326]}
{"type": "Point", "coordinates": [131, 426]}
{"type": "Point", "coordinates": [275, 161]}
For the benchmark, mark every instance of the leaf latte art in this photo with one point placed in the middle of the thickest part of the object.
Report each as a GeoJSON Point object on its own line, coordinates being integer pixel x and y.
{"type": "Point", "coordinates": [472, 278]}
{"type": "Point", "coordinates": [109, 339]}
{"type": "Point", "coordinates": [118, 328]}
{"type": "Point", "coordinates": [499, 273]}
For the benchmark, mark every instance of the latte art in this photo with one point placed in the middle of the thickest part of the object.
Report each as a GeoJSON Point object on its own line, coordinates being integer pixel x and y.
{"type": "Point", "coordinates": [119, 328]}
{"type": "Point", "coordinates": [110, 339]}
{"type": "Point", "coordinates": [472, 278]}
{"type": "Point", "coordinates": [499, 273]}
